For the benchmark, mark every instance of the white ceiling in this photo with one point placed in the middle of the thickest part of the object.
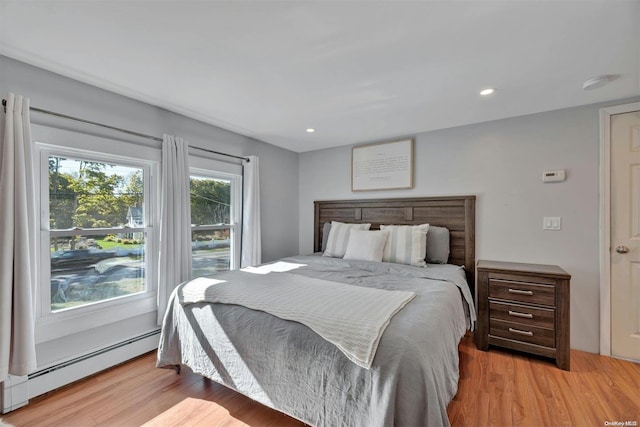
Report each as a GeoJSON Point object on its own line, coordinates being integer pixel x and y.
{"type": "Point", "coordinates": [357, 71]}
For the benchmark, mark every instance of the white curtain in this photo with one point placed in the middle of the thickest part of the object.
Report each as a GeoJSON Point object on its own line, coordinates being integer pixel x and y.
{"type": "Point", "coordinates": [251, 244]}
{"type": "Point", "coordinates": [17, 241]}
{"type": "Point", "coordinates": [175, 220]}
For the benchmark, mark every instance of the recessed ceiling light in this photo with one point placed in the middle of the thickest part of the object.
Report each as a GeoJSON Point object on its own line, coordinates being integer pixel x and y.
{"type": "Point", "coordinates": [311, 130]}
{"type": "Point", "coordinates": [488, 91]}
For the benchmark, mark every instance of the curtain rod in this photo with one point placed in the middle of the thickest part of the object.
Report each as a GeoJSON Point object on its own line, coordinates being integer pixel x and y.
{"type": "Point", "coordinates": [142, 135]}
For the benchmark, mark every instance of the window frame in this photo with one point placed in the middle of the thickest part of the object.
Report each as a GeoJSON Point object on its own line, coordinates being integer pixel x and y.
{"type": "Point", "coordinates": [206, 168]}
{"type": "Point", "coordinates": [74, 144]}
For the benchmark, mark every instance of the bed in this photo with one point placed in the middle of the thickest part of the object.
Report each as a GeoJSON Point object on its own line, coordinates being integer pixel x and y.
{"type": "Point", "coordinates": [412, 374]}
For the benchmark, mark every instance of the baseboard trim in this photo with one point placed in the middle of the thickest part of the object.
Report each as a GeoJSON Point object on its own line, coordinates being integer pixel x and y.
{"type": "Point", "coordinates": [92, 354]}
{"type": "Point", "coordinates": [67, 372]}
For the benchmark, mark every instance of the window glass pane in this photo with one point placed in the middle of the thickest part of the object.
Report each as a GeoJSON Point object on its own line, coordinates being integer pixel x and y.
{"type": "Point", "coordinates": [91, 268]}
{"type": "Point", "coordinates": [88, 269]}
{"type": "Point", "coordinates": [210, 201]}
{"type": "Point", "coordinates": [90, 194]}
{"type": "Point", "coordinates": [210, 251]}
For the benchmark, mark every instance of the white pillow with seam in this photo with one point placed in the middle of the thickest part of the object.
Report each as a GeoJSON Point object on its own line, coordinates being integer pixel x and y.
{"type": "Point", "coordinates": [366, 245]}
{"type": "Point", "coordinates": [339, 237]}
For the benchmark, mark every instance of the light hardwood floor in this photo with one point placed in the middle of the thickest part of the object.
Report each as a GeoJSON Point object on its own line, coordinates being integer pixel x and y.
{"type": "Point", "coordinates": [497, 388]}
{"type": "Point", "coordinates": [502, 388]}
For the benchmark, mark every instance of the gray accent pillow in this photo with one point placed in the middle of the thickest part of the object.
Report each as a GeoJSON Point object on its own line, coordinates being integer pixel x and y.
{"type": "Point", "coordinates": [437, 245]}
{"type": "Point", "coordinates": [325, 235]}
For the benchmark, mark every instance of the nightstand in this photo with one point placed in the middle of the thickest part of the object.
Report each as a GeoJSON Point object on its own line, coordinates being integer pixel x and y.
{"type": "Point", "coordinates": [523, 307]}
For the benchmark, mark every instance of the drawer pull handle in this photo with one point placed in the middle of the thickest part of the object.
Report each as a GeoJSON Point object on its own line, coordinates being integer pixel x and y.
{"type": "Point", "coordinates": [519, 292]}
{"type": "Point", "coordinates": [518, 314]}
{"type": "Point", "coordinates": [518, 331]}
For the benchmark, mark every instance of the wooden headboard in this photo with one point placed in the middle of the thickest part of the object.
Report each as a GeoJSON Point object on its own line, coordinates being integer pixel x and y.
{"type": "Point", "coordinates": [457, 213]}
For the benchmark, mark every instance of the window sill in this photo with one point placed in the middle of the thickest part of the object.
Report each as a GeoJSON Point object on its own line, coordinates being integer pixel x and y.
{"type": "Point", "coordinates": [78, 320]}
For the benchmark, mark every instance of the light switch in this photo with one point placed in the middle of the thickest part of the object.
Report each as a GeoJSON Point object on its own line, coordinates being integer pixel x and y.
{"type": "Point", "coordinates": [551, 223]}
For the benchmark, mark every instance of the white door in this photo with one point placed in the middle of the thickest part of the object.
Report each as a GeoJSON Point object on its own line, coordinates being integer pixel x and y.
{"type": "Point", "coordinates": [625, 235]}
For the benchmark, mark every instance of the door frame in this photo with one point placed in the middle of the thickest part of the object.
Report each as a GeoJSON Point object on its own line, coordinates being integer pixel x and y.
{"type": "Point", "coordinates": [605, 220]}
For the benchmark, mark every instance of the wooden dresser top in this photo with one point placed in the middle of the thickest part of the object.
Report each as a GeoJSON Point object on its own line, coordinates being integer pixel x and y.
{"type": "Point", "coordinates": [517, 267]}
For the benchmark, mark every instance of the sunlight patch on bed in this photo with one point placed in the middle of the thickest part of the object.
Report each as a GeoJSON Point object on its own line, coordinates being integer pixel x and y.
{"type": "Point", "coordinates": [276, 267]}
{"type": "Point", "coordinates": [198, 286]}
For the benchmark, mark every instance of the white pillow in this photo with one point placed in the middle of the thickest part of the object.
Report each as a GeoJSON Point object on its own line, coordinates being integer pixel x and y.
{"type": "Point", "coordinates": [339, 237]}
{"type": "Point", "coordinates": [366, 245]}
{"type": "Point", "coordinates": [406, 244]}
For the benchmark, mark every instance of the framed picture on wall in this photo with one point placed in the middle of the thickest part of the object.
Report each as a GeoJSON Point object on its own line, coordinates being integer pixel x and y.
{"type": "Point", "coordinates": [382, 166]}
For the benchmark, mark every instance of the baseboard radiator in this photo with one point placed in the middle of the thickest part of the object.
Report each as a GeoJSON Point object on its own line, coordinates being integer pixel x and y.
{"type": "Point", "coordinates": [16, 391]}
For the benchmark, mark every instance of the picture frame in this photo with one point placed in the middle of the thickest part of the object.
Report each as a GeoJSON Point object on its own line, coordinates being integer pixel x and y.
{"type": "Point", "coordinates": [382, 166]}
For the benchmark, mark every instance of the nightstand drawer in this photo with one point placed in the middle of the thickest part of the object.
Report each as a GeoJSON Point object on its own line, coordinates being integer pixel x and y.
{"type": "Point", "coordinates": [521, 332]}
{"type": "Point", "coordinates": [531, 293]}
{"type": "Point", "coordinates": [542, 317]}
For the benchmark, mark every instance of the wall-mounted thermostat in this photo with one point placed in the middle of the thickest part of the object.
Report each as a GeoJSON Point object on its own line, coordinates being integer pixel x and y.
{"type": "Point", "coordinates": [553, 176]}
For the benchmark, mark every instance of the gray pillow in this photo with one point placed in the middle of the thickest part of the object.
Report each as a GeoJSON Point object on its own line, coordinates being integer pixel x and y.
{"type": "Point", "coordinates": [437, 245]}
{"type": "Point", "coordinates": [325, 235]}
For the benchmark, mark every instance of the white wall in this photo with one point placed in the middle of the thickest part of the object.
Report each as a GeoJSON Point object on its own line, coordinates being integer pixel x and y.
{"type": "Point", "coordinates": [501, 162]}
{"type": "Point", "coordinates": [278, 170]}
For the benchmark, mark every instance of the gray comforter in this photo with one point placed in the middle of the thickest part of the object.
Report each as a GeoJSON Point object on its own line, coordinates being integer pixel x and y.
{"type": "Point", "coordinates": [287, 366]}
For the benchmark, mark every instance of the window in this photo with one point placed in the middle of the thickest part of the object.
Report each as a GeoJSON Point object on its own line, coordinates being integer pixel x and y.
{"type": "Point", "coordinates": [98, 205]}
{"type": "Point", "coordinates": [97, 231]}
{"type": "Point", "coordinates": [99, 201]}
{"type": "Point", "coordinates": [216, 215]}
{"type": "Point", "coordinates": [215, 221]}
